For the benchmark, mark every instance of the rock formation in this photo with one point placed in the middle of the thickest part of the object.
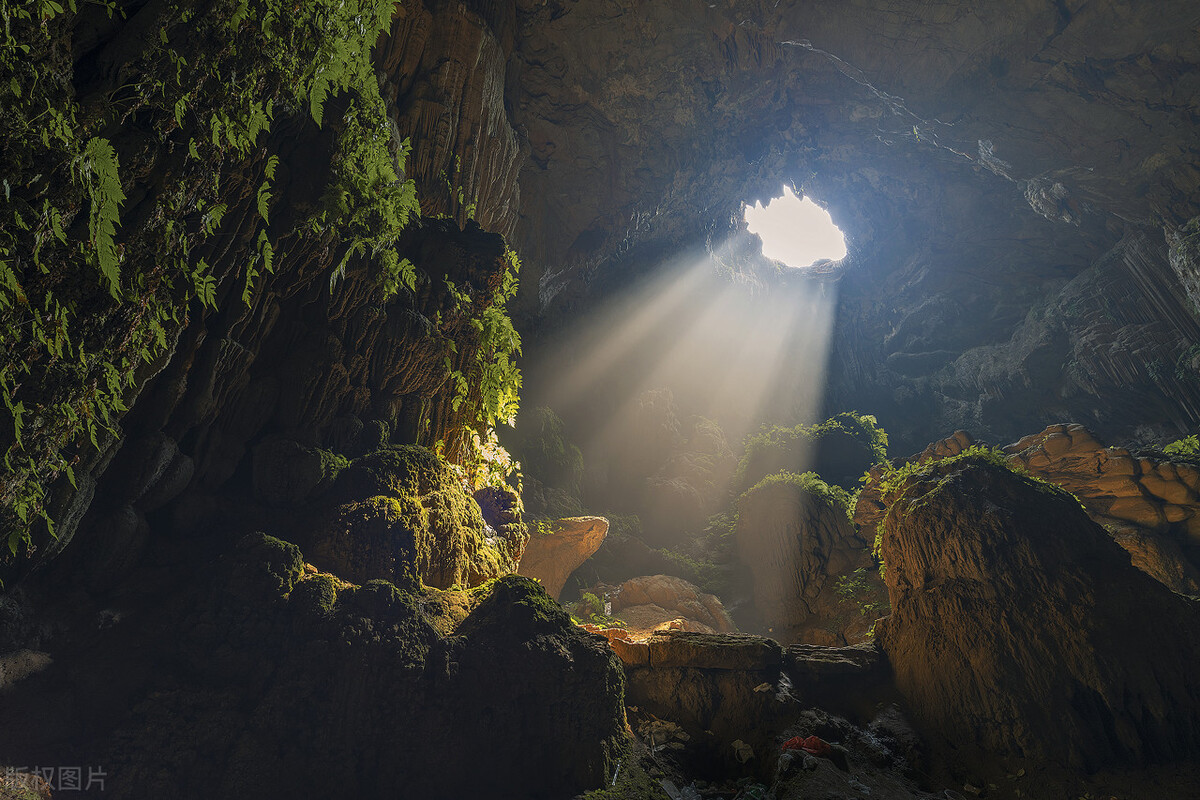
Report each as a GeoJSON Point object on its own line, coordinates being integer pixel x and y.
{"type": "Point", "coordinates": [248, 249]}
{"type": "Point", "coordinates": [797, 543]}
{"type": "Point", "coordinates": [660, 599]}
{"type": "Point", "coordinates": [400, 515]}
{"type": "Point", "coordinates": [372, 685]}
{"type": "Point", "coordinates": [1147, 503]}
{"type": "Point", "coordinates": [1019, 628]}
{"type": "Point", "coordinates": [551, 556]}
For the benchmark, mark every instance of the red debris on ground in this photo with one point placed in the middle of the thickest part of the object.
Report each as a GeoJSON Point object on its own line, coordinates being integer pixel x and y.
{"type": "Point", "coordinates": [812, 744]}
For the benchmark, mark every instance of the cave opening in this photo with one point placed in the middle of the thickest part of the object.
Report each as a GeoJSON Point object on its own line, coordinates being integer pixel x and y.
{"type": "Point", "coordinates": [795, 230]}
{"type": "Point", "coordinates": [274, 523]}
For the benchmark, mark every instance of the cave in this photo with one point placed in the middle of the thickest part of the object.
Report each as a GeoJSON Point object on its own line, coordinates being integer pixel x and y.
{"type": "Point", "coordinates": [401, 401]}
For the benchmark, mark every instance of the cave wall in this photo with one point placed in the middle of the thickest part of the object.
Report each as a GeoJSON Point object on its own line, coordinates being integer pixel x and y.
{"type": "Point", "coordinates": [1016, 184]}
{"type": "Point", "coordinates": [980, 158]}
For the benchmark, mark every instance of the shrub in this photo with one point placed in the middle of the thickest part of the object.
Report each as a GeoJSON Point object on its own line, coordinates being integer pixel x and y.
{"type": "Point", "coordinates": [839, 449]}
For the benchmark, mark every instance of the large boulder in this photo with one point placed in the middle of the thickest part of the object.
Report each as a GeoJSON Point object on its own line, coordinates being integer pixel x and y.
{"type": "Point", "coordinates": [1148, 505]}
{"type": "Point", "coordinates": [271, 680]}
{"type": "Point", "coordinates": [556, 550]}
{"type": "Point", "coordinates": [401, 515]}
{"type": "Point", "coordinates": [796, 539]}
{"type": "Point", "coordinates": [663, 599]}
{"type": "Point", "coordinates": [1020, 629]}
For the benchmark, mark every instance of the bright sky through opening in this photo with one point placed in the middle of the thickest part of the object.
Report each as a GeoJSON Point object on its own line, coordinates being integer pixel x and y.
{"type": "Point", "coordinates": [795, 231]}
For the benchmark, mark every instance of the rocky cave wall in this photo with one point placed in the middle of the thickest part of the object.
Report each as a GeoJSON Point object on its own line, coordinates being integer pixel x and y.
{"type": "Point", "coordinates": [1004, 173]}
{"type": "Point", "coordinates": [1015, 183]}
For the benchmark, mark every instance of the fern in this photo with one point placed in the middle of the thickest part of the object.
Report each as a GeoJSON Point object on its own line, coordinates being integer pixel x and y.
{"type": "Point", "coordinates": [98, 168]}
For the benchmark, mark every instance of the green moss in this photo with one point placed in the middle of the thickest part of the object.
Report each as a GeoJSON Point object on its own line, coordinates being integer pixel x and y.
{"type": "Point", "coordinates": [379, 599]}
{"type": "Point", "coordinates": [409, 501]}
{"type": "Point", "coordinates": [842, 446]}
{"type": "Point", "coordinates": [632, 782]}
{"type": "Point", "coordinates": [518, 604]}
{"type": "Point", "coordinates": [835, 496]}
{"type": "Point", "coordinates": [271, 564]}
{"type": "Point", "coordinates": [316, 595]}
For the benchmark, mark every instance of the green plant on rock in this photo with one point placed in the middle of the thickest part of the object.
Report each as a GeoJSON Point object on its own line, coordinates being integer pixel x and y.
{"type": "Point", "coordinates": [812, 483]}
{"type": "Point", "coordinates": [589, 609]}
{"type": "Point", "coordinates": [858, 590]}
{"type": "Point", "coordinates": [1185, 449]}
{"type": "Point", "coordinates": [87, 303]}
{"type": "Point", "coordinates": [486, 387]}
{"type": "Point", "coordinates": [774, 447]}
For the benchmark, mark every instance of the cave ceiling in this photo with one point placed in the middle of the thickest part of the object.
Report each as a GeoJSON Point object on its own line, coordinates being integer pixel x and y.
{"type": "Point", "coordinates": [980, 157]}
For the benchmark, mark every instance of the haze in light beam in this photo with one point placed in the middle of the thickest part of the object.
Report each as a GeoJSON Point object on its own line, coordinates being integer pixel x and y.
{"type": "Point", "coordinates": [725, 352]}
{"type": "Point", "coordinates": [795, 231]}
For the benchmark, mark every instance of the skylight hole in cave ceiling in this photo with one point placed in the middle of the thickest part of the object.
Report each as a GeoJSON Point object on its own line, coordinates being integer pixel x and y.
{"type": "Point", "coordinates": [796, 231]}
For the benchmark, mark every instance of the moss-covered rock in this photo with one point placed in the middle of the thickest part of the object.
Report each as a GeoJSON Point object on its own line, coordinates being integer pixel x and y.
{"type": "Point", "coordinates": [400, 514]}
{"type": "Point", "coordinates": [840, 450]}
{"type": "Point", "coordinates": [268, 566]}
{"type": "Point", "coordinates": [355, 691]}
{"type": "Point", "coordinates": [795, 537]}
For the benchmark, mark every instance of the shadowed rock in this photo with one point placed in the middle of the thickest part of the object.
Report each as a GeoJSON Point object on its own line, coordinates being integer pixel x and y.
{"type": "Point", "coordinates": [1019, 628]}
{"type": "Point", "coordinates": [797, 543]}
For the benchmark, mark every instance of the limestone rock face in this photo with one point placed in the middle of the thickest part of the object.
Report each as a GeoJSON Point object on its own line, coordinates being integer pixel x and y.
{"type": "Point", "coordinates": [1149, 505]}
{"type": "Point", "coordinates": [1019, 628]}
{"type": "Point", "coordinates": [663, 598]}
{"type": "Point", "coordinates": [552, 557]}
{"type": "Point", "coordinates": [444, 70]}
{"type": "Point", "coordinates": [797, 544]}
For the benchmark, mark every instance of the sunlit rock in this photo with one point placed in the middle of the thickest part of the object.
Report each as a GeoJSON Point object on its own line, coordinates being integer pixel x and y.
{"type": "Point", "coordinates": [660, 599]}
{"type": "Point", "coordinates": [552, 555]}
{"type": "Point", "coordinates": [401, 515]}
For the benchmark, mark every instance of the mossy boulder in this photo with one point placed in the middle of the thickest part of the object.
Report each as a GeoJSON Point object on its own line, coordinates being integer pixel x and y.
{"type": "Point", "coordinates": [795, 537]}
{"type": "Point", "coordinates": [401, 515]}
{"type": "Point", "coordinates": [320, 689]}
